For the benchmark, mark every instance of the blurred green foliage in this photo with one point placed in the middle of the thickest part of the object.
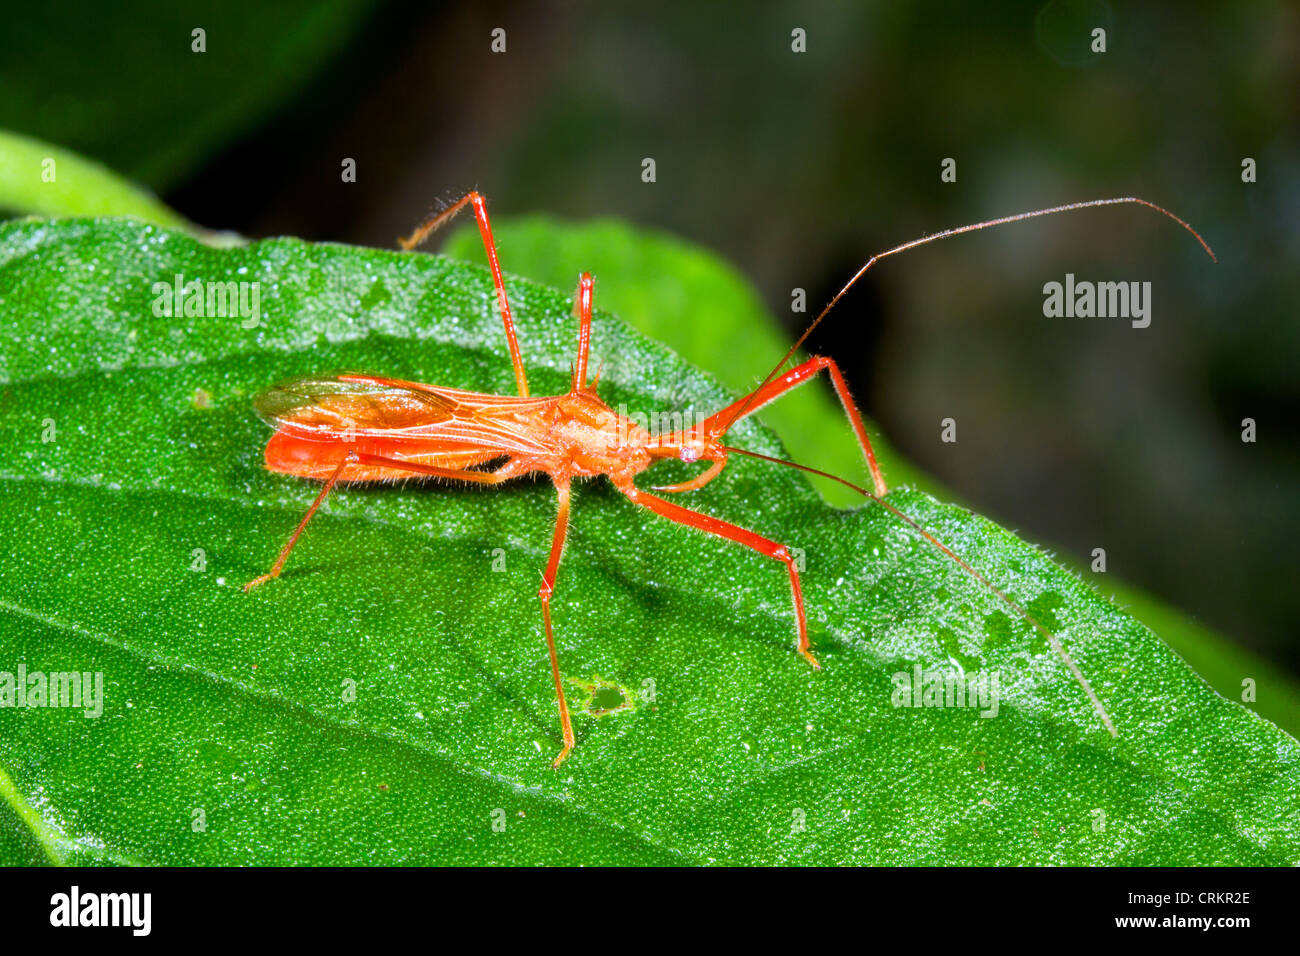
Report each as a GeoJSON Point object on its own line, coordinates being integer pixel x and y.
{"type": "Point", "coordinates": [45, 180]}
{"type": "Point", "coordinates": [125, 84]}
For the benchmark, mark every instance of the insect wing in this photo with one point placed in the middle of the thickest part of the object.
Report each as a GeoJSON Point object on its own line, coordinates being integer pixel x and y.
{"type": "Point", "coordinates": [325, 408]}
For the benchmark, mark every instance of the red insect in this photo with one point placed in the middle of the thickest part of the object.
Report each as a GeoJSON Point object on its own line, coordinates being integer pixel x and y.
{"type": "Point", "coordinates": [356, 427]}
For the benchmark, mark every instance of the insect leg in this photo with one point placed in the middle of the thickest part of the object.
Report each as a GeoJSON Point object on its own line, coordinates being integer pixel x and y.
{"type": "Point", "coordinates": [490, 246]}
{"type": "Point", "coordinates": [731, 532]}
{"type": "Point", "coordinates": [302, 525]}
{"type": "Point", "coordinates": [504, 473]}
{"type": "Point", "coordinates": [774, 389]}
{"type": "Point", "coordinates": [545, 592]}
{"type": "Point", "coordinates": [582, 308]}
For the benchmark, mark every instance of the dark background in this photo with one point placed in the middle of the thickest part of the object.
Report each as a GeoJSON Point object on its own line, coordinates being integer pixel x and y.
{"type": "Point", "coordinates": [1082, 433]}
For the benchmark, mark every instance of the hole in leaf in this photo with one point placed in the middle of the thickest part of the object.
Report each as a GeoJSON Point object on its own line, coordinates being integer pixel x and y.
{"type": "Point", "coordinates": [604, 697]}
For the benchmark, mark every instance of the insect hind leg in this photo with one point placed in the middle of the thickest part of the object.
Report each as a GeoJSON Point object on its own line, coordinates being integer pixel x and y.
{"type": "Point", "coordinates": [302, 526]}
{"type": "Point", "coordinates": [490, 247]}
{"type": "Point", "coordinates": [353, 457]}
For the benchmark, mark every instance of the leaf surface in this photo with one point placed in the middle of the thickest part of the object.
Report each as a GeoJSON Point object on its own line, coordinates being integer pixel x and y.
{"type": "Point", "coordinates": [134, 505]}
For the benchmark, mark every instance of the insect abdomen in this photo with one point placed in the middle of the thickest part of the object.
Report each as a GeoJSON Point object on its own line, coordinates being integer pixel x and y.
{"type": "Point", "coordinates": [291, 455]}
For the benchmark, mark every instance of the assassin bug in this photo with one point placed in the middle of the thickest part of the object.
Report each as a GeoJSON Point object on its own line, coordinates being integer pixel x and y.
{"type": "Point", "coordinates": [360, 427]}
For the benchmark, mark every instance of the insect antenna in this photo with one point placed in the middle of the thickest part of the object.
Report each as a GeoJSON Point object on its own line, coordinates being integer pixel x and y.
{"type": "Point", "coordinates": [979, 576]}
{"type": "Point", "coordinates": [947, 234]}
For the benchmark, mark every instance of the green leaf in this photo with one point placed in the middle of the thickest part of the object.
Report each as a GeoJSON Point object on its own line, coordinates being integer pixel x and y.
{"type": "Point", "coordinates": [134, 505]}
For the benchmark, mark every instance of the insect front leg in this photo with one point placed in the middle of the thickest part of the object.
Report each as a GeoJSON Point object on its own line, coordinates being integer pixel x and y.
{"type": "Point", "coordinates": [719, 423]}
{"type": "Point", "coordinates": [725, 529]}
